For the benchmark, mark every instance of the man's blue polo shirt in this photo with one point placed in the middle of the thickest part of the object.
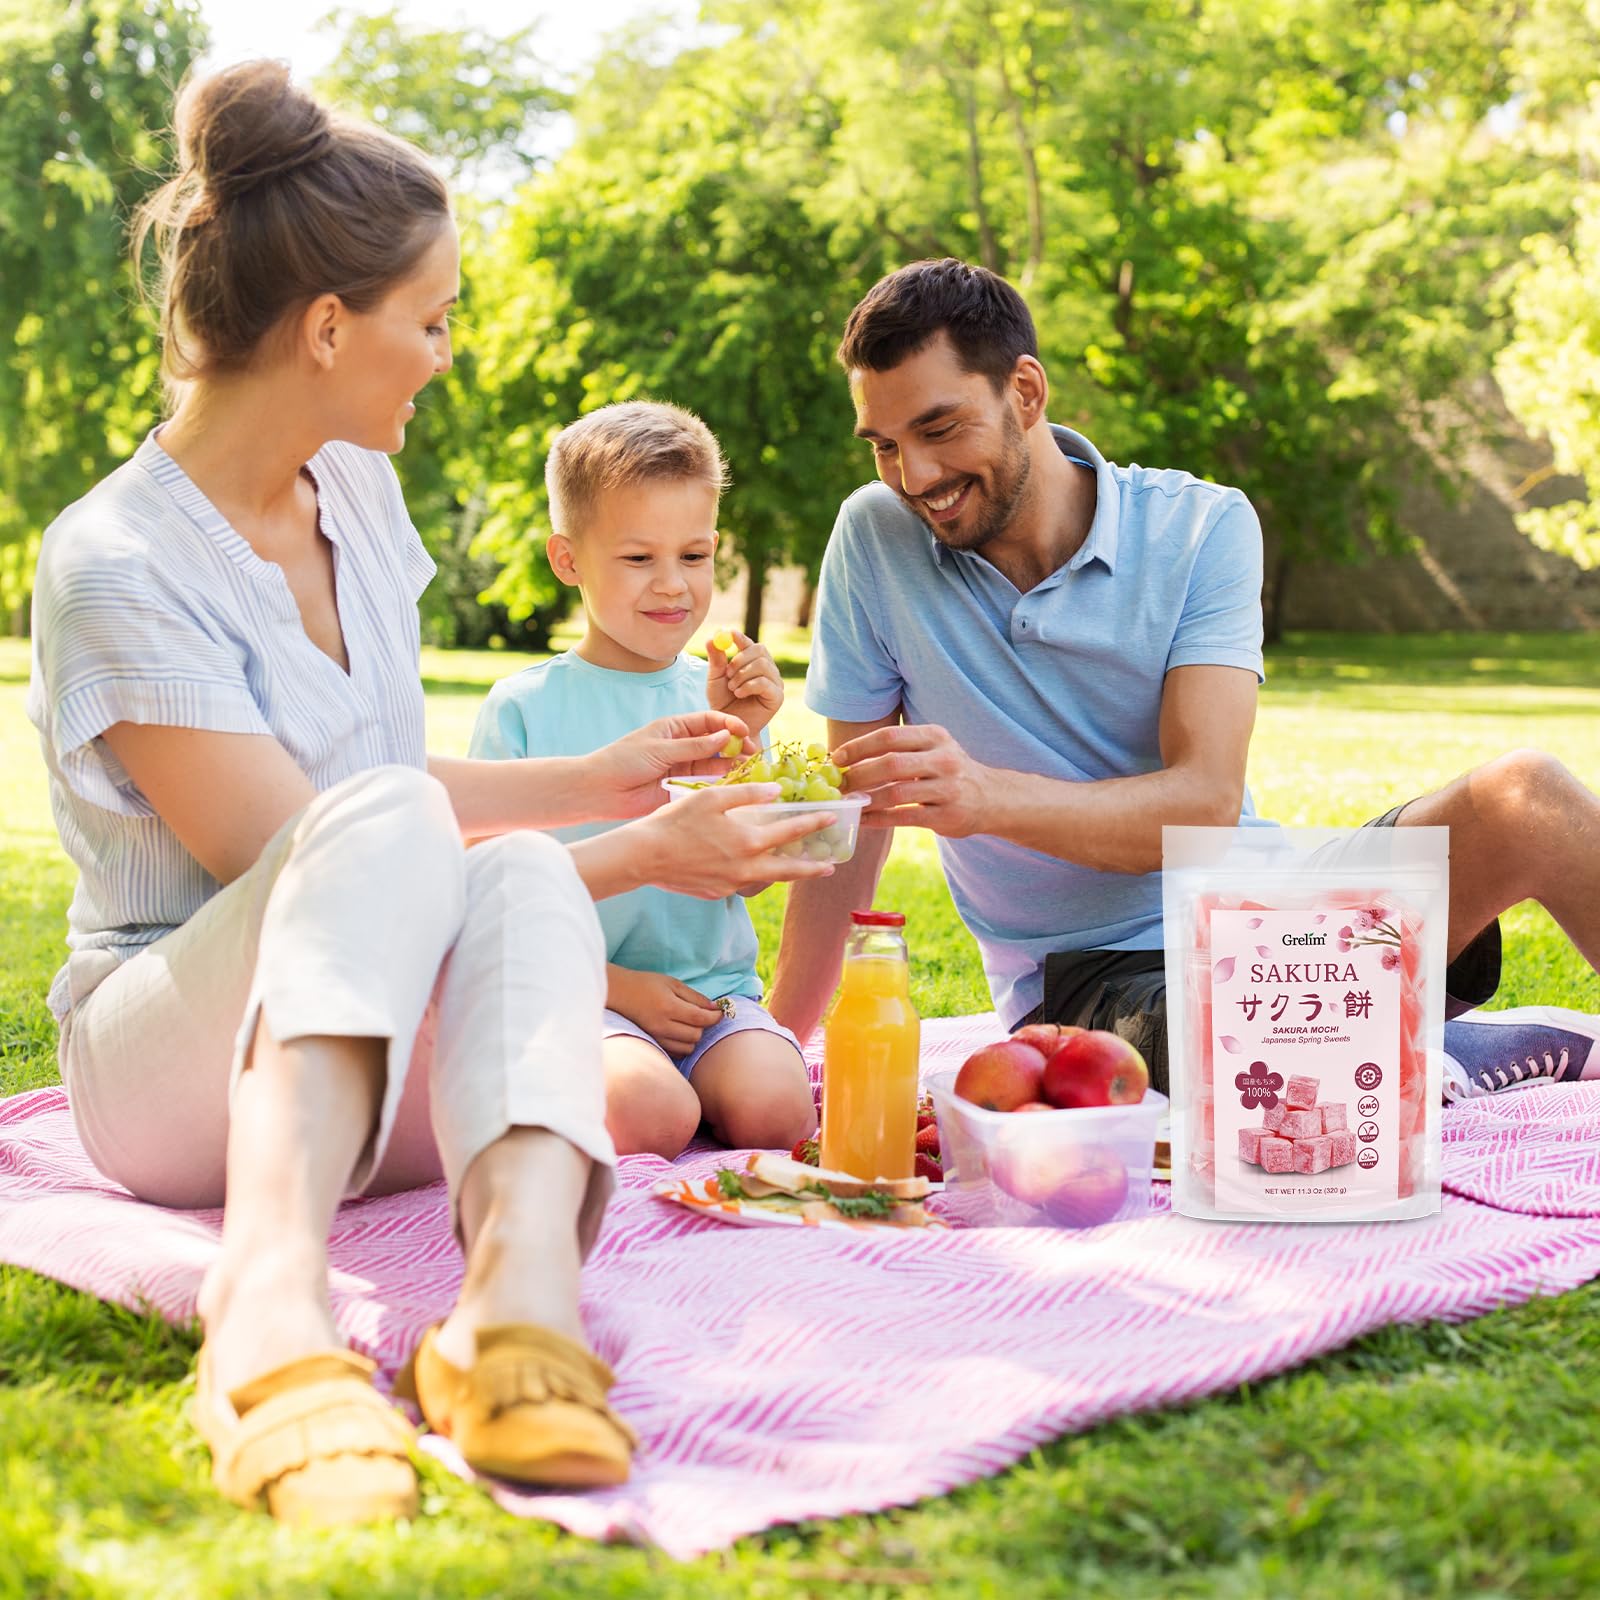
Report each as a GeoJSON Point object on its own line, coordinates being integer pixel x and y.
{"type": "Point", "coordinates": [1064, 680]}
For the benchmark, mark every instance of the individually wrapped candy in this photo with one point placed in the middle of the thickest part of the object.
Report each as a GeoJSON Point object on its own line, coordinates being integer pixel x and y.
{"type": "Point", "coordinates": [1305, 1014]}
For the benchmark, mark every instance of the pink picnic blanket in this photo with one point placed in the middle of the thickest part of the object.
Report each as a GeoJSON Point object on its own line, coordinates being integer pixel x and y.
{"type": "Point", "coordinates": [777, 1375]}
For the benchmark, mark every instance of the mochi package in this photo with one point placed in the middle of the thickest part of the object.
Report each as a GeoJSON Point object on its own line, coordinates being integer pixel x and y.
{"type": "Point", "coordinates": [1305, 1018]}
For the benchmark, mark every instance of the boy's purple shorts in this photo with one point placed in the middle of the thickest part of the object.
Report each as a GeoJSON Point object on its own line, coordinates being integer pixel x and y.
{"type": "Point", "coordinates": [747, 1014]}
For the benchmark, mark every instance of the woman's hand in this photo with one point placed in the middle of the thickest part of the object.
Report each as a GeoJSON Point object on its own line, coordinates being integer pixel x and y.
{"type": "Point", "coordinates": [703, 847]}
{"type": "Point", "coordinates": [744, 680]}
{"type": "Point", "coordinates": [672, 1013]}
{"type": "Point", "coordinates": [626, 775]}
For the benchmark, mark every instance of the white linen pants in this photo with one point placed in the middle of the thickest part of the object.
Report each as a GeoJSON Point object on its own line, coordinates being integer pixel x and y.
{"type": "Point", "coordinates": [364, 917]}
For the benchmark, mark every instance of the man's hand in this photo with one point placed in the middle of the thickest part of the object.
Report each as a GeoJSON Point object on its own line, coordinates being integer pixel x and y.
{"type": "Point", "coordinates": [919, 777]}
{"type": "Point", "coordinates": [627, 774]}
{"type": "Point", "coordinates": [672, 1013]}
{"type": "Point", "coordinates": [743, 680]}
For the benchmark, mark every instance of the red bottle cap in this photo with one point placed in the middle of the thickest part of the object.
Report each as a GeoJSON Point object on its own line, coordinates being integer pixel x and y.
{"type": "Point", "coordinates": [878, 919]}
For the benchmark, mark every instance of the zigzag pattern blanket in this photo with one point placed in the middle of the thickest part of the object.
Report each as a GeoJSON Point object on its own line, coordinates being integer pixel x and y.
{"type": "Point", "coordinates": [777, 1375]}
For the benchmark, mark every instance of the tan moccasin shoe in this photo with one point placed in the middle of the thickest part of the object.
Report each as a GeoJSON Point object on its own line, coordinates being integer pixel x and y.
{"type": "Point", "coordinates": [532, 1408]}
{"type": "Point", "coordinates": [312, 1438]}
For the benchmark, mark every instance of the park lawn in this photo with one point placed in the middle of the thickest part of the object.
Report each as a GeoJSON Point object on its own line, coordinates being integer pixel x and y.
{"type": "Point", "coordinates": [1448, 1461]}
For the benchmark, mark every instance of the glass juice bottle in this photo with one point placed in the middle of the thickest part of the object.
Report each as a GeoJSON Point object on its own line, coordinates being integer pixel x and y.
{"type": "Point", "coordinates": [870, 1050]}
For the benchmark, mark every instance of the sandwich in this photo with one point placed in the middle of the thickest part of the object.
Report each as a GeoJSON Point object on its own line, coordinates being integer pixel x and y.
{"type": "Point", "coordinates": [773, 1182]}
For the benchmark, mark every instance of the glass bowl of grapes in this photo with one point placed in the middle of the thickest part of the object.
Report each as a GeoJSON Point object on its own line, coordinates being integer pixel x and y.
{"type": "Point", "coordinates": [807, 782]}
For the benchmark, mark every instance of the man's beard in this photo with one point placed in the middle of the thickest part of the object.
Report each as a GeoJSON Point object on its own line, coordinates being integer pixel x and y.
{"type": "Point", "coordinates": [1008, 482]}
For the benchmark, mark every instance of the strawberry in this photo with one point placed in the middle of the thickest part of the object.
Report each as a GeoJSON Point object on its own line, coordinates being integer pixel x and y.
{"type": "Point", "coordinates": [928, 1141]}
{"type": "Point", "coordinates": [928, 1167]}
{"type": "Point", "coordinates": [807, 1152]}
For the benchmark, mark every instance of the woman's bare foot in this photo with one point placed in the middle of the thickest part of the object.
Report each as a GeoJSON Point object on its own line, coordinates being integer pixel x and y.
{"type": "Point", "coordinates": [519, 1211]}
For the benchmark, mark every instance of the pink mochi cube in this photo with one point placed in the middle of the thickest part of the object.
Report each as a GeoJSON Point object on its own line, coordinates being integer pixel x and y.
{"type": "Point", "coordinates": [1305, 1124]}
{"type": "Point", "coordinates": [1334, 1118]}
{"type": "Point", "coordinates": [1341, 1148]}
{"type": "Point", "coordinates": [1249, 1143]}
{"type": "Point", "coordinates": [1276, 1155]}
{"type": "Point", "coordinates": [1312, 1155]}
{"type": "Point", "coordinates": [1301, 1093]}
{"type": "Point", "coordinates": [1272, 1117]}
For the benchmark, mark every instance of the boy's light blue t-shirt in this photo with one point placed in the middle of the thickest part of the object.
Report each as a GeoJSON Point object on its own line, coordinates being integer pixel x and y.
{"type": "Point", "coordinates": [569, 707]}
{"type": "Point", "coordinates": [1065, 680]}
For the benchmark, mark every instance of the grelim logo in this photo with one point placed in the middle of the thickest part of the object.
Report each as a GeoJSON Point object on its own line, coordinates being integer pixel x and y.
{"type": "Point", "coordinates": [1305, 938]}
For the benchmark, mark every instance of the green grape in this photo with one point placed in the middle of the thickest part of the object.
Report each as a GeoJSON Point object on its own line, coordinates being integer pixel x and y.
{"type": "Point", "coordinates": [732, 748]}
{"type": "Point", "coordinates": [802, 773]}
{"type": "Point", "coordinates": [795, 847]}
{"type": "Point", "coordinates": [817, 849]}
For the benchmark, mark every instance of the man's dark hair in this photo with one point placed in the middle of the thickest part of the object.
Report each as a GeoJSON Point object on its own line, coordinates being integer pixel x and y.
{"type": "Point", "coordinates": [985, 319]}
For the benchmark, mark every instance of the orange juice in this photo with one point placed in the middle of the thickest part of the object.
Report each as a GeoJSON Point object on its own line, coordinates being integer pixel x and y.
{"type": "Point", "coordinates": [869, 1062]}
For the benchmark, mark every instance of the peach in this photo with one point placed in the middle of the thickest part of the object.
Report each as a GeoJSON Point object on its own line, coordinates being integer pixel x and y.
{"type": "Point", "coordinates": [1001, 1077]}
{"type": "Point", "coordinates": [1035, 1105]}
{"type": "Point", "coordinates": [1079, 1186]}
{"type": "Point", "coordinates": [1095, 1068]}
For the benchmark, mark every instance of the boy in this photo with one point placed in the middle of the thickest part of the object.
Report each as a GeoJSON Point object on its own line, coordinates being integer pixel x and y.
{"type": "Point", "coordinates": [633, 492]}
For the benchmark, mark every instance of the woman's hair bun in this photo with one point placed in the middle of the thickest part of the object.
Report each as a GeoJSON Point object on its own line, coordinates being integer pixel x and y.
{"type": "Point", "coordinates": [247, 124]}
{"type": "Point", "coordinates": [276, 200]}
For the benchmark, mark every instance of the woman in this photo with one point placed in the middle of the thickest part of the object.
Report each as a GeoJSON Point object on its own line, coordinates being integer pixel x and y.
{"type": "Point", "coordinates": [283, 957]}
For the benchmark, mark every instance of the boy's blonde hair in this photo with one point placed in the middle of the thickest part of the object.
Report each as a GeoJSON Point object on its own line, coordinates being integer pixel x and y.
{"type": "Point", "coordinates": [635, 441]}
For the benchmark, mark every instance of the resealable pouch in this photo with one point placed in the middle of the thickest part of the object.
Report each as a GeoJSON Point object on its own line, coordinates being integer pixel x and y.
{"type": "Point", "coordinates": [1305, 1018]}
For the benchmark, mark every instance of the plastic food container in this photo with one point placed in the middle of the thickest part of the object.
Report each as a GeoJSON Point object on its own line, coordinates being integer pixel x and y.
{"type": "Point", "coordinates": [1044, 1169]}
{"type": "Point", "coordinates": [836, 843]}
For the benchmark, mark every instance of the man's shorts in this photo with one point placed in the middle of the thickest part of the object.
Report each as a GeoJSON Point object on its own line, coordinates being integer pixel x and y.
{"type": "Point", "coordinates": [1125, 991]}
{"type": "Point", "coordinates": [747, 1014]}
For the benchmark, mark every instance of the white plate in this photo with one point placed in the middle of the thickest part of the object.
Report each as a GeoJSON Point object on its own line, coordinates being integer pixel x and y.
{"type": "Point", "coordinates": [702, 1196]}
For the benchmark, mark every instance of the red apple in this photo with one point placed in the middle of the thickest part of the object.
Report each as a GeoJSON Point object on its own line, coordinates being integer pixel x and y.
{"type": "Point", "coordinates": [1079, 1186]}
{"type": "Point", "coordinates": [1001, 1077]}
{"type": "Point", "coordinates": [1036, 1105]}
{"type": "Point", "coordinates": [1044, 1036]}
{"type": "Point", "coordinates": [1095, 1068]}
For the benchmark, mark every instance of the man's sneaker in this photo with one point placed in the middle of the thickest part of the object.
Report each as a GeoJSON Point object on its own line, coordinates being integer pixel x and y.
{"type": "Point", "coordinates": [1487, 1051]}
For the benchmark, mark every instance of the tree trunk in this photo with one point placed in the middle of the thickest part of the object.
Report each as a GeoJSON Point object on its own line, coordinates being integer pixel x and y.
{"type": "Point", "coordinates": [1030, 173]}
{"type": "Point", "coordinates": [1274, 598]}
{"type": "Point", "coordinates": [1122, 311]}
{"type": "Point", "coordinates": [755, 565]}
{"type": "Point", "coordinates": [808, 601]}
{"type": "Point", "coordinates": [988, 250]}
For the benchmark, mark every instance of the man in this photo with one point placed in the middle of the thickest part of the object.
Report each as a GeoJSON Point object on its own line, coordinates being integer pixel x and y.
{"type": "Point", "coordinates": [1044, 658]}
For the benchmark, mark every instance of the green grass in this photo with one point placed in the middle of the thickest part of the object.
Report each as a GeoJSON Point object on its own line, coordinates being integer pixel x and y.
{"type": "Point", "coordinates": [1425, 1461]}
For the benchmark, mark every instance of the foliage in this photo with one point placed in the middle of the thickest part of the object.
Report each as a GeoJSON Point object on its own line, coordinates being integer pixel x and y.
{"type": "Point", "coordinates": [84, 88]}
{"type": "Point", "coordinates": [1550, 366]}
{"type": "Point", "coordinates": [689, 269]}
{"type": "Point", "coordinates": [1281, 243]}
{"type": "Point", "coordinates": [475, 100]}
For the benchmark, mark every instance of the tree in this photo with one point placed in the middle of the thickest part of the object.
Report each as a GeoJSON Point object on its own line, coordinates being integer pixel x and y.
{"type": "Point", "coordinates": [479, 105]}
{"type": "Point", "coordinates": [84, 88]}
{"type": "Point", "coordinates": [692, 271]}
{"type": "Point", "coordinates": [1550, 366]}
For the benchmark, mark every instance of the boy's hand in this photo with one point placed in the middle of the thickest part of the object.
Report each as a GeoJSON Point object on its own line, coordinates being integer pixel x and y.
{"type": "Point", "coordinates": [672, 1013]}
{"type": "Point", "coordinates": [743, 678]}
